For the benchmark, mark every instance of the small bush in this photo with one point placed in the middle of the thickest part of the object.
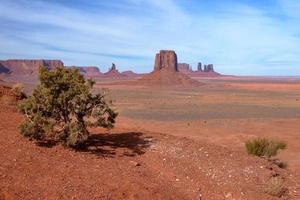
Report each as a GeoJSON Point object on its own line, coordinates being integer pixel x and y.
{"type": "Point", "coordinates": [276, 187]}
{"type": "Point", "coordinates": [62, 108]}
{"type": "Point", "coordinates": [264, 147]}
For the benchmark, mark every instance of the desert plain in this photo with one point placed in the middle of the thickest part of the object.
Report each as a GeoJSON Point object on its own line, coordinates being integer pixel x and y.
{"type": "Point", "coordinates": [168, 143]}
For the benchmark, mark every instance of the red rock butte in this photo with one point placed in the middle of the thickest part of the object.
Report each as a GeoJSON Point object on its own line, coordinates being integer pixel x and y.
{"type": "Point", "coordinates": [166, 59]}
{"type": "Point", "coordinates": [166, 72]}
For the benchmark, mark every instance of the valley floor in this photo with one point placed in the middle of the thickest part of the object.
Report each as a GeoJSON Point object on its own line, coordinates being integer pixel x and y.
{"type": "Point", "coordinates": [167, 144]}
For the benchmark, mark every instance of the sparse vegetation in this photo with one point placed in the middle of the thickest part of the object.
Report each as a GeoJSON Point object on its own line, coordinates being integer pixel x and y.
{"type": "Point", "coordinates": [62, 107]}
{"type": "Point", "coordinates": [264, 147]}
{"type": "Point", "coordinates": [276, 187]}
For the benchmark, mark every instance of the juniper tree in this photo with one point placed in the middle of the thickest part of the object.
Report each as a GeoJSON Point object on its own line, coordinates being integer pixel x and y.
{"type": "Point", "coordinates": [62, 108]}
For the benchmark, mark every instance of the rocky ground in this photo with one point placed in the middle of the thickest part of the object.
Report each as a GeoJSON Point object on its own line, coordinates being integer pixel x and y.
{"type": "Point", "coordinates": [131, 163]}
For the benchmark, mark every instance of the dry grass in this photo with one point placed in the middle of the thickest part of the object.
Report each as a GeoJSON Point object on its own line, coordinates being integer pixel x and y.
{"type": "Point", "coordinates": [276, 187]}
{"type": "Point", "coordinates": [264, 147]}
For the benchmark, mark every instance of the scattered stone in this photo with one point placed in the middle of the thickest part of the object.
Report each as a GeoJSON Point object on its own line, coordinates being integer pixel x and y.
{"type": "Point", "coordinates": [134, 163]}
{"type": "Point", "coordinates": [228, 195]}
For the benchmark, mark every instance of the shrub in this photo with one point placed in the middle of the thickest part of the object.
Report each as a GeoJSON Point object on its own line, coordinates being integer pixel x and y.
{"type": "Point", "coordinates": [264, 147]}
{"type": "Point", "coordinates": [276, 187]}
{"type": "Point", "coordinates": [62, 108]}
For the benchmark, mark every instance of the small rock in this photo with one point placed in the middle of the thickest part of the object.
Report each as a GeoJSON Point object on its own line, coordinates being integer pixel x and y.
{"type": "Point", "coordinates": [228, 195]}
{"type": "Point", "coordinates": [134, 163]}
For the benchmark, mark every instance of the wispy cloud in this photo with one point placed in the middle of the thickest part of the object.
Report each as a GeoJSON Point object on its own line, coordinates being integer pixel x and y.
{"type": "Point", "coordinates": [240, 38]}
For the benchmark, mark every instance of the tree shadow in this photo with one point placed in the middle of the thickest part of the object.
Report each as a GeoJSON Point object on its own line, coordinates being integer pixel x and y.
{"type": "Point", "coordinates": [48, 143]}
{"type": "Point", "coordinates": [117, 144]}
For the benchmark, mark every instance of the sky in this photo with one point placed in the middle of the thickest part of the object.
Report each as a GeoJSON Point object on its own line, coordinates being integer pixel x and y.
{"type": "Point", "coordinates": [240, 37]}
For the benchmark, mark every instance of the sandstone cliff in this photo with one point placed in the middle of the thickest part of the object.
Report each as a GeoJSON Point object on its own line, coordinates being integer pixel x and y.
{"type": "Point", "coordinates": [166, 59]}
{"type": "Point", "coordinates": [27, 67]}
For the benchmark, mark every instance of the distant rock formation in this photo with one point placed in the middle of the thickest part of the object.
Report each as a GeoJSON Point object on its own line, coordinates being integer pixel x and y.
{"type": "Point", "coordinates": [3, 70]}
{"type": "Point", "coordinates": [90, 71]}
{"type": "Point", "coordinates": [184, 68]}
{"type": "Point", "coordinates": [206, 71]}
{"type": "Point", "coordinates": [166, 59]}
{"type": "Point", "coordinates": [209, 68]}
{"type": "Point", "coordinates": [113, 67]}
{"type": "Point", "coordinates": [27, 67]}
{"type": "Point", "coordinates": [166, 74]}
{"type": "Point", "coordinates": [113, 72]}
{"type": "Point", "coordinates": [130, 74]}
{"type": "Point", "coordinates": [199, 67]}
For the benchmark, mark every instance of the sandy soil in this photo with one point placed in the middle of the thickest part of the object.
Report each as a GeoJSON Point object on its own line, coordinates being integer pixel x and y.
{"type": "Point", "coordinates": [223, 113]}
{"type": "Point", "coordinates": [168, 144]}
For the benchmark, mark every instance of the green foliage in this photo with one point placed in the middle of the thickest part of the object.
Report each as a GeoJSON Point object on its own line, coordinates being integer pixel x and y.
{"type": "Point", "coordinates": [62, 107]}
{"type": "Point", "coordinates": [264, 147]}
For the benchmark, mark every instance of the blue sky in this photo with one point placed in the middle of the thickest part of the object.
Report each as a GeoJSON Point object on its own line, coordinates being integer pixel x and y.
{"type": "Point", "coordinates": [242, 37]}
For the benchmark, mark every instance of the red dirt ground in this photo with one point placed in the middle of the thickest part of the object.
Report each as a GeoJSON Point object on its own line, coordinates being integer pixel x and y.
{"type": "Point", "coordinates": [129, 163]}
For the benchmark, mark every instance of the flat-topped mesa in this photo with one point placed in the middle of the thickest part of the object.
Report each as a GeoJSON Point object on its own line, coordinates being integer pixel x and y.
{"type": "Point", "coordinates": [27, 67]}
{"type": "Point", "coordinates": [89, 69]}
{"type": "Point", "coordinates": [130, 73]}
{"type": "Point", "coordinates": [166, 59]}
